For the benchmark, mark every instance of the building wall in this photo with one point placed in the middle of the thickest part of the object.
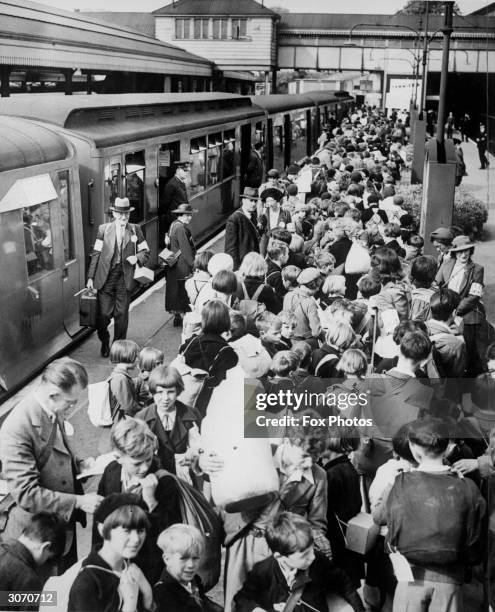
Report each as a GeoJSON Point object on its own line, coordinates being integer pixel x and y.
{"type": "Point", "coordinates": [256, 52]}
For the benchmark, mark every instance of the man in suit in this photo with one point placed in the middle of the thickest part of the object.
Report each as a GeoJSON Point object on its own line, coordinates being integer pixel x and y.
{"type": "Point", "coordinates": [37, 461]}
{"type": "Point", "coordinates": [254, 170]}
{"type": "Point", "coordinates": [241, 231]}
{"type": "Point", "coordinates": [119, 246]}
{"type": "Point", "coordinates": [174, 194]}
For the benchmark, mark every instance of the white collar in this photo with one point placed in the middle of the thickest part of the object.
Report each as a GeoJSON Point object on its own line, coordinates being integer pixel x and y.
{"type": "Point", "coordinates": [288, 572]}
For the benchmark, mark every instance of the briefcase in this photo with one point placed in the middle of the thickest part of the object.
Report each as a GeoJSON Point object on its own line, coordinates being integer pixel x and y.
{"type": "Point", "coordinates": [88, 308]}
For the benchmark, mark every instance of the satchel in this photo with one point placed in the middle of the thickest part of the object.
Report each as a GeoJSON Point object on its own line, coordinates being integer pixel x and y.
{"type": "Point", "coordinates": [196, 511]}
{"type": "Point", "coordinates": [142, 274]}
{"type": "Point", "coordinates": [168, 257]}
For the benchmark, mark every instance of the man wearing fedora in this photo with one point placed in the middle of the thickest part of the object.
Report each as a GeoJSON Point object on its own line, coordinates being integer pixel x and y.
{"type": "Point", "coordinates": [174, 194]}
{"type": "Point", "coordinates": [241, 231]}
{"type": "Point", "coordinates": [119, 246]}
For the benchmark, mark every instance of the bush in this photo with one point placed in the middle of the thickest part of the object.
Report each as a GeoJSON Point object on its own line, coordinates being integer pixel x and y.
{"type": "Point", "coordinates": [470, 214]}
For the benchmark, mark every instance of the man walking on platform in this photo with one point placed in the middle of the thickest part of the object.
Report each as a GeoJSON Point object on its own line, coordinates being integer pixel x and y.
{"type": "Point", "coordinates": [241, 231]}
{"type": "Point", "coordinates": [482, 143]}
{"type": "Point", "coordinates": [119, 246]}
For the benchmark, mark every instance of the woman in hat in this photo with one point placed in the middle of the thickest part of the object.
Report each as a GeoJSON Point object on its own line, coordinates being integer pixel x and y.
{"type": "Point", "coordinates": [461, 275]}
{"type": "Point", "coordinates": [273, 216]}
{"type": "Point", "coordinates": [180, 237]}
{"type": "Point", "coordinates": [109, 581]}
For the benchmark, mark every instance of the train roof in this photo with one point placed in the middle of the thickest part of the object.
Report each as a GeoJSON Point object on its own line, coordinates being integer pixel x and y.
{"type": "Point", "coordinates": [24, 143]}
{"type": "Point", "coordinates": [68, 111]}
{"type": "Point", "coordinates": [277, 103]}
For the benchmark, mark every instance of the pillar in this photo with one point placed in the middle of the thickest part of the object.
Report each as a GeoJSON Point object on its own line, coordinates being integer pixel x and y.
{"type": "Point", "coordinates": [274, 82]}
{"type": "Point", "coordinates": [437, 206]}
{"type": "Point", "coordinates": [68, 81]}
{"type": "Point", "coordinates": [167, 84]}
{"type": "Point", "coordinates": [89, 82]}
{"type": "Point", "coordinates": [5, 76]}
{"type": "Point", "coordinates": [267, 83]}
{"type": "Point", "coordinates": [418, 133]}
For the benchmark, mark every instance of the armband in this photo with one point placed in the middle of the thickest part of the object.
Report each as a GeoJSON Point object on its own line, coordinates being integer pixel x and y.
{"type": "Point", "coordinates": [476, 289]}
{"type": "Point", "coordinates": [143, 246]}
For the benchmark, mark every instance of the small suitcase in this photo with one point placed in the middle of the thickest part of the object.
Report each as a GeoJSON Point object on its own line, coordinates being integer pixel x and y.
{"type": "Point", "coordinates": [88, 308]}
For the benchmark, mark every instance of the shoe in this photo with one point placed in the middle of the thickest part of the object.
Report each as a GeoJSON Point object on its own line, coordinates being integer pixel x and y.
{"type": "Point", "coordinates": [105, 350]}
{"type": "Point", "coordinates": [177, 320]}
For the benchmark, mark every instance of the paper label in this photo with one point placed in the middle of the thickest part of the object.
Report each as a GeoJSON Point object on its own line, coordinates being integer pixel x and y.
{"type": "Point", "coordinates": [402, 569]}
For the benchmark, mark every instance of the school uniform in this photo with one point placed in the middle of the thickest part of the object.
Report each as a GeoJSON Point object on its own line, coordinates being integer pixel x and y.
{"type": "Point", "coordinates": [18, 571]}
{"type": "Point", "coordinates": [171, 596]}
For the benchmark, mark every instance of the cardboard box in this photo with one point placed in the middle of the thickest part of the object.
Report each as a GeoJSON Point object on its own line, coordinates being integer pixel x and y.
{"type": "Point", "coordinates": [361, 533]}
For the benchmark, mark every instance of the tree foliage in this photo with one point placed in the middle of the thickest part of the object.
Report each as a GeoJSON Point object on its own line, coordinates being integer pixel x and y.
{"type": "Point", "coordinates": [279, 9]}
{"type": "Point", "coordinates": [418, 7]}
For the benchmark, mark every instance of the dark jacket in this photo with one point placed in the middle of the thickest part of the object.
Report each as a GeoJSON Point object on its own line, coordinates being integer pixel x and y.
{"type": "Point", "coordinates": [171, 596]}
{"type": "Point", "coordinates": [274, 278]}
{"type": "Point", "coordinates": [166, 513]}
{"type": "Point", "coordinates": [18, 571]}
{"type": "Point", "coordinates": [172, 442]}
{"type": "Point", "coordinates": [95, 590]}
{"type": "Point", "coordinates": [329, 368]}
{"type": "Point", "coordinates": [268, 297]}
{"type": "Point", "coordinates": [175, 294]}
{"type": "Point", "coordinates": [104, 250]}
{"type": "Point", "coordinates": [241, 237]}
{"type": "Point", "coordinates": [470, 306]}
{"type": "Point", "coordinates": [175, 193]}
{"type": "Point", "coordinates": [265, 585]}
{"type": "Point", "coordinates": [123, 390]}
{"type": "Point", "coordinates": [340, 249]}
{"type": "Point", "coordinates": [254, 171]}
{"type": "Point", "coordinates": [264, 220]}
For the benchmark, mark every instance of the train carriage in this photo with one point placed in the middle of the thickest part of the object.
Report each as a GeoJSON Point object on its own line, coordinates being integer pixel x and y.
{"type": "Point", "coordinates": [63, 161]}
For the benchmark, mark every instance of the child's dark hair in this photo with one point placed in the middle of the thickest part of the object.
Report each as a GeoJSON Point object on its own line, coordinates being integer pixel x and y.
{"type": "Point", "coordinates": [416, 241]}
{"type": "Point", "coordinates": [423, 271]}
{"type": "Point", "coordinates": [201, 260]}
{"type": "Point", "coordinates": [415, 346]}
{"type": "Point", "coordinates": [400, 443]}
{"type": "Point", "coordinates": [369, 286]}
{"type": "Point", "coordinates": [289, 533]}
{"type": "Point", "coordinates": [342, 439]}
{"type": "Point", "coordinates": [430, 434]}
{"type": "Point", "coordinates": [129, 517]}
{"type": "Point", "coordinates": [124, 351]}
{"type": "Point", "coordinates": [483, 393]}
{"type": "Point", "coordinates": [443, 303]}
{"type": "Point", "coordinates": [225, 281]}
{"type": "Point", "coordinates": [303, 349]}
{"type": "Point", "coordinates": [150, 358]}
{"type": "Point", "coordinates": [47, 527]}
{"type": "Point", "coordinates": [238, 325]}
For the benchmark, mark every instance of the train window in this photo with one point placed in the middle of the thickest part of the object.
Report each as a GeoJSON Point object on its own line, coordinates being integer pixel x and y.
{"type": "Point", "coordinates": [278, 143]}
{"type": "Point", "coordinates": [134, 183]}
{"type": "Point", "coordinates": [198, 166]}
{"type": "Point", "coordinates": [260, 132]}
{"type": "Point", "coordinates": [214, 155]}
{"type": "Point", "coordinates": [228, 156]}
{"type": "Point", "coordinates": [298, 143]}
{"type": "Point", "coordinates": [38, 238]}
{"type": "Point", "coordinates": [66, 215]}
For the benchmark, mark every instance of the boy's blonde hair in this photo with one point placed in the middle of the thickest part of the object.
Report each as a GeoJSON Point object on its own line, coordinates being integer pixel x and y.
{"type": "Point", "coordinates": [133, 437]}
{"type": "Point", "coordinates": [183, 539]}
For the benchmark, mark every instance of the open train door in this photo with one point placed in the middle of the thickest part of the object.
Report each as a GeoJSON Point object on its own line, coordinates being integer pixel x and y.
{"type": "Point", "coordinates": [245, 151]}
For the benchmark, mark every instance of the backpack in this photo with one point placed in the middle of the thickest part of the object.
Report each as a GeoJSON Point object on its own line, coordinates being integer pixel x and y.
{"type": "Point", "coordinates": [102, 406]}
{"type": "Point", "coordinates": [61, 586]}
{"type": "Point", "coordinates": [251, 308]}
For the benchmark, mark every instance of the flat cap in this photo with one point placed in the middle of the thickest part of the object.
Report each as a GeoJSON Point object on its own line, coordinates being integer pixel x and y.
{"type": "Point", "coordinates": [308, 275]}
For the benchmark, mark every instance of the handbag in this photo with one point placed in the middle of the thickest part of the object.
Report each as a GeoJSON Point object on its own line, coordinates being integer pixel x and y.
{"type": "Point", "coordinates": [142, 274]}
{"type": "Point", "coordinates": [168, 257]}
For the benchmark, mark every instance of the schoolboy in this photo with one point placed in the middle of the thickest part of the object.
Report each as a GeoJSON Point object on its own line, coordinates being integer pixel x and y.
{"type": "Point", "coordinates": [269, 327]}
{"type": "Point", "coordinates": [23, 561]}
{"type": "Point", "coordinates": [179, 588]}
{"type": "Point", "coordinates": [294, 577]}
{"type": "Point", "coordinates": [434, 520]}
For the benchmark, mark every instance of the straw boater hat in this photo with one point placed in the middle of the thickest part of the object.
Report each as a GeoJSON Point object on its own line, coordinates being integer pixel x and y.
{"type": "Point", "coordinates": [184, 209]}
{"type": "Point", "coordinates": [461, 243]}
{"type": "Point", "coordinates": [122, 205]}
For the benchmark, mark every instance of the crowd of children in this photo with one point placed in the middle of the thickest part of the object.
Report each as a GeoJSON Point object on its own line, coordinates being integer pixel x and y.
{"type": "Point", "coordinates": [342, 301]}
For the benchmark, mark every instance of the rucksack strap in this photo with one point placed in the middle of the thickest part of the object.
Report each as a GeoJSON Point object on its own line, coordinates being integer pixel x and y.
{"type": "Point", "coordinates": [326, 359]}
{"type": "Point", "coordinates": [244, 291]}
{"type": "Point", "coordinates": [257, 293]}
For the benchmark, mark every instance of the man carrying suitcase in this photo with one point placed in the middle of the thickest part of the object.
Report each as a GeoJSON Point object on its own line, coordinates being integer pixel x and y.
{"type": "Point", "coordinates": [119, 246]}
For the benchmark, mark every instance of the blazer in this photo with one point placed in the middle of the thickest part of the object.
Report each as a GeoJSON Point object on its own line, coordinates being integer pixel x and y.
{"type": "Point", "coordinates": [175, 441]}
{"type": "Point", "coordinates": [265, 586]}
{"type": "Point", "coordinates": [470, 306]}
{"type": "Point", "coordinates": [171, 596]}
{"type": "Point", "coordinates": [104, 248]}
{"type": "Point", "coordinates": [241, 237]}
{"type": "Point", "coordinates": [23, 438]}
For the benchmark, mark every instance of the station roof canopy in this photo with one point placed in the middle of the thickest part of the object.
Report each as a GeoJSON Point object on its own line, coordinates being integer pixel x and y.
{"type": "Point", "coordinates": [139, 22]}
{"type": "Point", "coordinates": [386, 25]}
{"type": "Point", "coordinates": [228, 8]}
{"type": "Point", "coordinates": [34, 35]}
{"type": "Point", "coordinates": [24, 144]}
